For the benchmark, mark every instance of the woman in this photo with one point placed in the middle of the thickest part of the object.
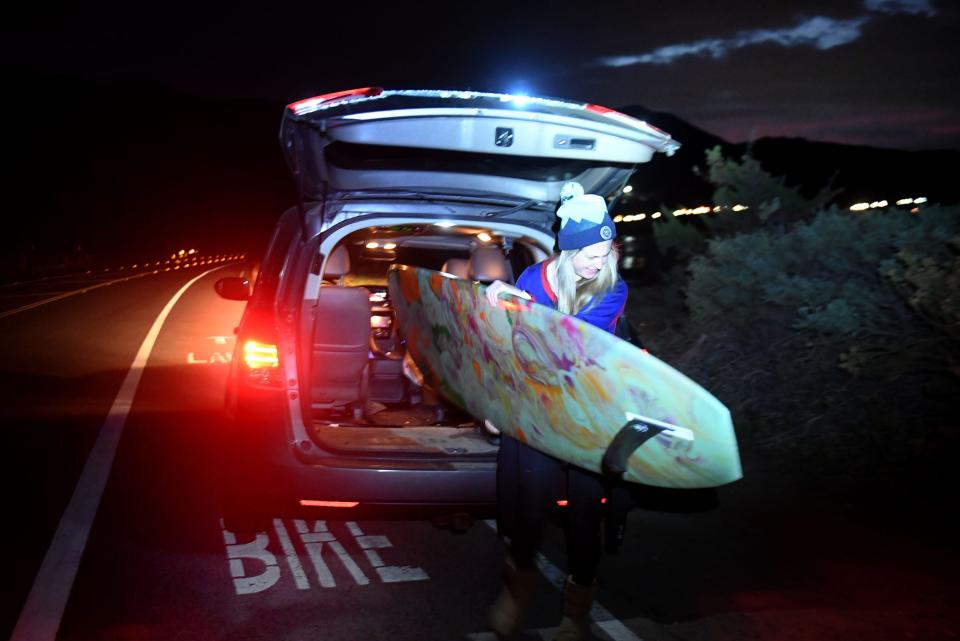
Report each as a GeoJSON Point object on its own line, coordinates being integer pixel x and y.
{"type": "Point", "coordinates": [582, 281]}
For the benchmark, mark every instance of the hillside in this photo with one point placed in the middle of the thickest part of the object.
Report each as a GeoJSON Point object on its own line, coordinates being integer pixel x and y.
{"type": "Point", "coordinates": [863, 173]}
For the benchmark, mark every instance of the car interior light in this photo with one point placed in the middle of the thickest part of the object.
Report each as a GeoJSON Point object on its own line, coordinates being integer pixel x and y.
{"type": "Point", "coordinates": [340, 504]}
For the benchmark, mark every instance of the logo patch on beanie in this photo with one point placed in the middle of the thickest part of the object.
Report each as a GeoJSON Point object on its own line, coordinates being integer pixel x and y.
{"type": "Point", "coordinates": [606, 233]}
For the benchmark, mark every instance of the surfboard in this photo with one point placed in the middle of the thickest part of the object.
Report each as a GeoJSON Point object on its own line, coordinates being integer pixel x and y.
{"type": "Point", "coordinates": [563, 386]}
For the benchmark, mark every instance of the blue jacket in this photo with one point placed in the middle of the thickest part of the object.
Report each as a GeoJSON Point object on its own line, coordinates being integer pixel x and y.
{"type": "Point", "coordinates": [603, 312]}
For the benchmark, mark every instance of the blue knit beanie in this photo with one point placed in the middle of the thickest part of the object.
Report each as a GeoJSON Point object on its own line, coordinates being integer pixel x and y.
{"type": "Point", "coordinates": [584, 220]}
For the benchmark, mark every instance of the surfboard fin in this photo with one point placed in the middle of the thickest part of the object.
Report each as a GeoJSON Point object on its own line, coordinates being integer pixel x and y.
{"type": "Point", "coordinates": [636, 431]}
{"type": "Point", "coordinates": [630, 437]}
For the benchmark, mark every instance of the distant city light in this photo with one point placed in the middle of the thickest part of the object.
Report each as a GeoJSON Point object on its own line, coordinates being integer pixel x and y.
{"type": "Point", "coordinates": [739, 208]}
{"type": "Point", "coordinates": [628, 189]}
{"type": "Point", "coordinates": [859, 206]}
{"type": "Point", "coordinates": [655, 215]}
{"type": "Point", "coordinates": [920, 200]}
{"type": "Point", "coordinates": [905, 201]}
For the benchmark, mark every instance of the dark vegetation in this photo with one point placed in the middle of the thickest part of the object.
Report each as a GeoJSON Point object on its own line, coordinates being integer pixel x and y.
{"type": "Point", "coordinates": [833, 336]}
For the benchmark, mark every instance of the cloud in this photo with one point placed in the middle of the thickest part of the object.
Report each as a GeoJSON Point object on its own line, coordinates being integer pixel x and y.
{"type": "Point", "coordinates": [911, 7]}
{"type": "Point", "coordinates": [819, 32]}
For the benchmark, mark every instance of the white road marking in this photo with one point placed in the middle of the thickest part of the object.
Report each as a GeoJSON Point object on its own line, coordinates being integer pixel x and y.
{"type": "Point", "coordinates": [604, 620]}
{"type": "Point", "coordinates": [388, 573]}
{"type": "Point", "coordinates": [292, 559]}
{"type": "Point", "coordinates": [313, 541]}
{"type": "Point", "coordinates": [41, 614]}
{"type": "Point", "coordinates": [255, 550]}
{"type": "Point", "coordinates": [215, 357]}
{"type": "Point", "coordinates": [312, 537]}
{"type": "Point", "coordinates": [349, 563]}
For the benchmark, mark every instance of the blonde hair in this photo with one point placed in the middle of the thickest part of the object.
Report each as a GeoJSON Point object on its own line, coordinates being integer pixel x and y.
{"type": "Point", "coordinates": [572, 294]}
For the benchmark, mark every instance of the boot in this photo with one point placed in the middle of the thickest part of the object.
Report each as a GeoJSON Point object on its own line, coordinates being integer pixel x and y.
{"type": "Point", "coordinates": [514, 598]}
{"type": "Point", "coordinates": [577, 602]}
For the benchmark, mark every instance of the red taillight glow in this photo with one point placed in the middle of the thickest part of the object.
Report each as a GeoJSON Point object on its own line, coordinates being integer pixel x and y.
{"type": "Point", "coordinates": [309, 104]}
{"type": "Point", "coordinates": [565, 502]}
{"type": "Point", "coordinates": [613, 113]}
{"type": "Point", "coordinates": [260, 353]}
{"type": "Point", "coordinates": [600, 109]}
{"type": "Point", "coordinates": [257, 355]}
{"type": "Point", "coordinates": [312, 503]}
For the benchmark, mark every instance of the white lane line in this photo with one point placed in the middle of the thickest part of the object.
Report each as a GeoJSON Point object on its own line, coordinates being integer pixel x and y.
{"type": "Point", "coordinates": [611, 626]}
{"type": "Point", "coordinates": [40, 618]}
{"type": "Point", "coordinates": [82, 290]}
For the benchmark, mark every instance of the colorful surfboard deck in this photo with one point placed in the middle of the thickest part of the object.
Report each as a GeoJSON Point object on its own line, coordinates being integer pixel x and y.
{"type": "Point", "coordinates": [563, 386]}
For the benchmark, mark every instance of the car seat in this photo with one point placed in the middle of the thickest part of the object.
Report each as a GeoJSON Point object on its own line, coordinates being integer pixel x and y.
{"type": "Point", "coordinates": [340, 353]}
{"type": "Point", "coordinates": [459, 267]}
{"type": "Point", "coordinates": [488, 264]}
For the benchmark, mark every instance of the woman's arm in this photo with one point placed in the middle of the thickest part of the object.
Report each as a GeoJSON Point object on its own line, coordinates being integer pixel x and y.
{"type": "Point", "coordinates": [498, 287]}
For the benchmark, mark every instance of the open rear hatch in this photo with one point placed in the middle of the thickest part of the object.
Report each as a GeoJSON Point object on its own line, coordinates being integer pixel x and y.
{"type": "Point", "coordinates": [460, 143]}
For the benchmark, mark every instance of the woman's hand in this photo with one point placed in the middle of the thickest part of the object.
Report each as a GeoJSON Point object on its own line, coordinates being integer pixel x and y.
{"type": "Point", "coordinates": [498, 287]}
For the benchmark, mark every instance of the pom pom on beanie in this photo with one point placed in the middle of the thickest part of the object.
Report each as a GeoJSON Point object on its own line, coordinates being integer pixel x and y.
{"type": "Point", "coordinates": [584, 220]}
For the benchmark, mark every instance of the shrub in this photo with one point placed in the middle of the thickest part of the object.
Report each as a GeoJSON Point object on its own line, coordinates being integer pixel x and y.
{"type": "Point", "coordinates": [829, 333]}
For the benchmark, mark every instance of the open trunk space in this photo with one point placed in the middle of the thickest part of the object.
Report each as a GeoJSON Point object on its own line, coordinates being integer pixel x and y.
{"type": "Point", "coordinates": [403, 431]}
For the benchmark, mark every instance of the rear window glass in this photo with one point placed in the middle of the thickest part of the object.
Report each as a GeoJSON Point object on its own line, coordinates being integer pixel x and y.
{"type": "Point", "coordinates": [382, 157]}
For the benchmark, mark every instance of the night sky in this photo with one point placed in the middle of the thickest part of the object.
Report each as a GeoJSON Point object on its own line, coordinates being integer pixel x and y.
{"type": "Point", "coordinates": [161, 128]}
{"type": "Point", "coordinates": [875, 72]}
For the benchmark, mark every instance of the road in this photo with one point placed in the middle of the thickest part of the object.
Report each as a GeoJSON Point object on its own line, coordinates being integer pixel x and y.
{"type": "Point", "coordinates": [780, 558]}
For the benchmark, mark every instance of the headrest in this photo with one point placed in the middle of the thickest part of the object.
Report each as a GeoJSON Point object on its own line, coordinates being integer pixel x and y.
{"type": "Point", "coordinates": [489, 264]}
{"type": "Point", "coordinates": [338, 264]}
{"type": "Point", "coordinates": [459, 267]}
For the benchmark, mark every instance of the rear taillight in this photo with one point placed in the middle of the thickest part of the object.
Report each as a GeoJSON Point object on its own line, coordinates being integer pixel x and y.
{"type": "Point", "coordinates": [257, 355]}
{"type": "Point", "coordinates": [622, 117]}
{"type": "Point", "coordinates": [260, 361]}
